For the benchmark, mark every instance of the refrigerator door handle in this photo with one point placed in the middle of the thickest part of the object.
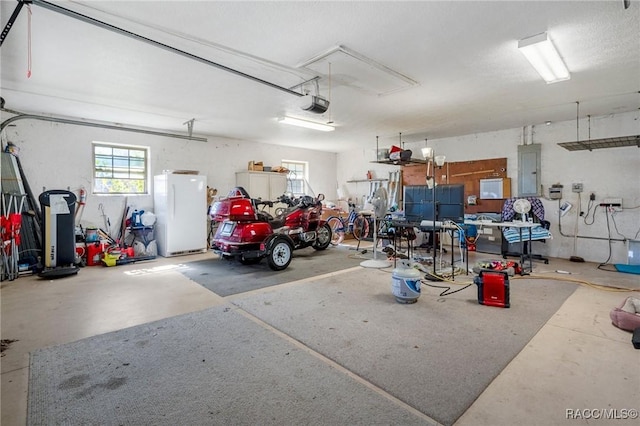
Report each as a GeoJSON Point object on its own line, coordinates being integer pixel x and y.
{"type": "Point", "coordinates": [173, 200]}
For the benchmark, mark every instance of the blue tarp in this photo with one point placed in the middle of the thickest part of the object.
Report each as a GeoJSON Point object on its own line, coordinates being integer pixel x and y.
{"type": "Point", "coordinates": [628, 269]}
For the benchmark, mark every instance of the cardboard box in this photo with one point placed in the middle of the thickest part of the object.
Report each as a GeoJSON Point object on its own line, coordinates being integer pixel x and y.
{"type": "Point", "coordinates": [256, 166]}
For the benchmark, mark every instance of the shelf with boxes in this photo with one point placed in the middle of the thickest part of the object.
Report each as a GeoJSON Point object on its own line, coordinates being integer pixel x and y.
{"type": "Point", "coordinates": [258, 166]}
{"type": "Point", "coordinates": [396, 155]}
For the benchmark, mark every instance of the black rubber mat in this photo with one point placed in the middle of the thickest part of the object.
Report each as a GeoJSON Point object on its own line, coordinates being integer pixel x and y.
{"type": "Point", "coordinates": [227, 277]}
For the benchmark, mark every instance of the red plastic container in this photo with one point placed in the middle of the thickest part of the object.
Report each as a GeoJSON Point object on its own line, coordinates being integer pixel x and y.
{"type": "Point", "coordinates": [493, 288]}
{"type": "Point", "coordinates": [94, 252]}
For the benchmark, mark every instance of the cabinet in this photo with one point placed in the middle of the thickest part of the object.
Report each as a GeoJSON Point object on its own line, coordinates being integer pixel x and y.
{"type": "Point", "coordinates": [264, 185]}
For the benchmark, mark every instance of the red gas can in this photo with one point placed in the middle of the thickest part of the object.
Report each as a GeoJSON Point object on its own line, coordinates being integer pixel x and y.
{"type": "Point", "coordinates": [95, 251]}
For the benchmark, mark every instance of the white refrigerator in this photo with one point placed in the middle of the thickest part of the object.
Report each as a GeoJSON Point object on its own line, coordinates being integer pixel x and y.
{"type": "Point", "coordinates": [180, 206]}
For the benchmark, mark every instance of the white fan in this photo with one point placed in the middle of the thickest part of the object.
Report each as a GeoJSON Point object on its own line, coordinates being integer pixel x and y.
{"type": "Point", "coordinates": [379, 202]}
{"type": "Point", "coordinates": [522, 206]}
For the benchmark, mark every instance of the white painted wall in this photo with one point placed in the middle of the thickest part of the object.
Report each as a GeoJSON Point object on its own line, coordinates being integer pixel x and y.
{"type": "Point", "coordinates": [613, 172]}
{"type": "Point", "coordinates": [59, 156]}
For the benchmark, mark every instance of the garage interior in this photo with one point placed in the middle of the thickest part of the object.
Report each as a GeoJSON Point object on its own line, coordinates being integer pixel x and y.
{"type": "Point", "coordinates": [203, 88]}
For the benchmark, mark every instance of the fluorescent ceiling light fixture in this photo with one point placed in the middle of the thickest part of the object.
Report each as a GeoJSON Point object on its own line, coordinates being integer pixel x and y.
{"type": "Point", "coordinates": [544, 57]}
{"type": "Point", "coordinates": [306, 123]}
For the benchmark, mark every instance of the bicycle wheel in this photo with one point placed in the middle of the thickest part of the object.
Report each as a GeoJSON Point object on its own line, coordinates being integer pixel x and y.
{"type": "Point", "coordinates": [337, 230]}
{"type": "Point", "coordinates": [360, 228]}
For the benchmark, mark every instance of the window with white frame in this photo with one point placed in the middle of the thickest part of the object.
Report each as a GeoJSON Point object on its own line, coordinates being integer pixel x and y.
{"type": "Point", "coordinates": [297, 178]}
{"type": "Point", "coordinates": [120, 169]}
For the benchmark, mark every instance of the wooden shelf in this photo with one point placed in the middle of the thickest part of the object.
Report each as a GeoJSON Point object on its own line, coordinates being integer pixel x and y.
{"type": "Point", "coordinates": [397, 162]}
{"type": "Point", "coordinates": [401, 162]}
{"type": "Point", "coordinates": [367, 180]}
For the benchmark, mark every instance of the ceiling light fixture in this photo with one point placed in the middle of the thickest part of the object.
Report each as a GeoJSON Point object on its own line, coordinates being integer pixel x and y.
{"type": "Point", "coordinates": [544, 57]}
{"type": "Point", "coordinates": [306, 123]}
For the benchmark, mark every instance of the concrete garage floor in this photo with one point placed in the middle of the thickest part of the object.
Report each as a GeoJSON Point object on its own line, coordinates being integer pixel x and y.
{"type": "Point", "coordinates": [560, 370]}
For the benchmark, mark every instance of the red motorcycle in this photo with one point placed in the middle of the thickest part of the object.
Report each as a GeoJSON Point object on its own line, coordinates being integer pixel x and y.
{"type": "Point", "coordinates": [249, 233]}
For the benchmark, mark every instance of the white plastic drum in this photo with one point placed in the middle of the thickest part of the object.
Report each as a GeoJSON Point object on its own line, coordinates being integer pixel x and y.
{"type": "Point", "coordinates": [405, 285]}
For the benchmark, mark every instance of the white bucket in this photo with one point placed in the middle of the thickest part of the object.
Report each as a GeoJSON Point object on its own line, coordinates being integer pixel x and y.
{"type": "Point", "coordinates": [405, 284]}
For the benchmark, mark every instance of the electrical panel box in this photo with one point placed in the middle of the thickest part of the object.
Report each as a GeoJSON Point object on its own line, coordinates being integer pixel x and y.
{"type": "Point", "coordinates": [555, 192]}
{"type": "Point", "coordinates": [576, 187]}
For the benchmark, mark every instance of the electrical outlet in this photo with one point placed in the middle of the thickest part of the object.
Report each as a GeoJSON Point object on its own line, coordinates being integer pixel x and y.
{"type": "Point", "coordinates": [613, 203]}
{"type": "Point", "coordinates": [576, 187]}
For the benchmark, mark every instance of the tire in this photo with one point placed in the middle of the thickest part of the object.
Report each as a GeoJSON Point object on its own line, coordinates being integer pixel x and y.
{"type": "Point", "coordinates": [337, 230]}
{"type": "Point", "coordinates": [323, 237]}
{"type": "Point", "coordinates": [360, 228]}
{"type": "Point", "coordinates": [250, 260]}
{"type": "Point", "coordinates": [279, 254]}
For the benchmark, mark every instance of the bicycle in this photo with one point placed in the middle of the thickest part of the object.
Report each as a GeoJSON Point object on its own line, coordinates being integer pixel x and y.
{"type": "Point", "coordinates": [355, 223]}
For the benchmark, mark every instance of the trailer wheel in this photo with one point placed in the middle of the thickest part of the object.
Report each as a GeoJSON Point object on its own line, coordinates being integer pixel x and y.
{"type": "Point", "coordinates": [279, 253]}
{"type": "Point", "coordinates": [323, 238]}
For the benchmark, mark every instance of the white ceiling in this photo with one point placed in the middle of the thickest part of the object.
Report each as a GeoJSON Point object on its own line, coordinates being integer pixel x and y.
{"type": "Point", "coordinates": [462, 56]}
